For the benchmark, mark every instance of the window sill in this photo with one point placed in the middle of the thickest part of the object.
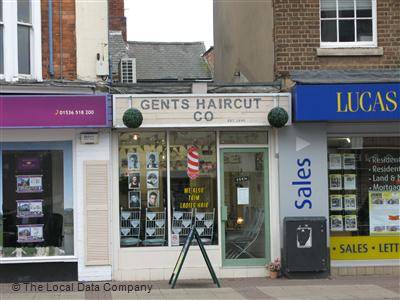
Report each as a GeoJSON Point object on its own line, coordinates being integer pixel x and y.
{"type": "Point", "coordinates": [378, 51]}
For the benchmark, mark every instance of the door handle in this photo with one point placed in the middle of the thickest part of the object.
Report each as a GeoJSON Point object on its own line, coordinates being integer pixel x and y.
{"type": "Point", "coordinates": [224, 213]}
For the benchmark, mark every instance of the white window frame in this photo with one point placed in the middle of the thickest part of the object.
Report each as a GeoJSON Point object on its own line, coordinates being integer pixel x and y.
{"type": "Point", "coordinates": [10, 36]}
{"type": "Point", "coordinates": [355, 44]}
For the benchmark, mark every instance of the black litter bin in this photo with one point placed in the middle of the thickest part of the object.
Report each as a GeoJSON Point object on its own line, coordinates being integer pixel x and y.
{"type": "Point", "coordinates": [305, 251]}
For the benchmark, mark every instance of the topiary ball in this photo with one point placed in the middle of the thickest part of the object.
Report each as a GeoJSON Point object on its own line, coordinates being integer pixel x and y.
{"type": "Point", "coordinates": [278, 117]}
{"type": "Point", "coordinates": [132, 118]}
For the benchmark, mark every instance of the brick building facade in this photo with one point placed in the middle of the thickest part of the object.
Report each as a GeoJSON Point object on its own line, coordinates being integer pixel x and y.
{"type": "Point", "coordinates": [116, 17]}
{"type": "Point", "coordinates": [297, 39]}
{"type": "Point", "coordinates": [64, 40]}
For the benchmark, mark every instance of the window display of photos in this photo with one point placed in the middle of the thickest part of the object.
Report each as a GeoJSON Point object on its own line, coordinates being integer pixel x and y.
{"type": "Point", "coordinates": [349, 181]}
{"type": "Point", "coordinates": [134, 199]}
{"type": "Point", "coordinates": [29, 184]}
{"type": "Point", "coordinates": [143, 194]}
{"type": "Point", "coordinates": [32, 233]}
{"type": "Point", "coordinates": [30, 208]}
{"type": "Point", "coordinates": [152, 198]}
{"type": "Point", "coordinates": [152, 179]}
{"type": "Point", "coordinates": [349, 161]}
{"type": "Point", "coordinates": [350, 222]}
{"type": "Point", "coordinates": [133, 181]}
{"type": "Point", "coordinates": [335, 182]}
{"type": "Point", "coordinates": [142, 161]}
{"type": "Point", "coordinates": [151, 160]}
{"type": "Point", "coordinates": [336, 222]}
{"type": "Point", "coordinates": [369, 168]}
{"type": "Point", "coordinates": [39, 222]}
{"type": "Point", "coordinates": [350, 202]}
{"type": "Point", "coordinates": [335, 161]}
{"type": "Point", "coordinates": [336, 202]}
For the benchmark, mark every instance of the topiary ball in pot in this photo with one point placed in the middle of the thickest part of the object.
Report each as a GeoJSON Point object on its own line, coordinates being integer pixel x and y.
{"type": "Point", "coordinates": [132, 118]}
{"type": "Point", "coordinates": [278, 117]}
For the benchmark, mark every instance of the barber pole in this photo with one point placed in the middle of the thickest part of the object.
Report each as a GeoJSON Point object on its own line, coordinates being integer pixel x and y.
{"type": "Point", "coordinates": [193, 170]}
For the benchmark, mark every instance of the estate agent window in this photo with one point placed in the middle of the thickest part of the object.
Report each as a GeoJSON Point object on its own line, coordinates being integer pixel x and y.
{"type": "Point", "coordinates": [36, 211]}
{"type": "Point", "coordinates": [348, 23]}
{"type": "Point", "coordinates": [364, 186]}
{"type": "Point", "coordinates": [143, 167]}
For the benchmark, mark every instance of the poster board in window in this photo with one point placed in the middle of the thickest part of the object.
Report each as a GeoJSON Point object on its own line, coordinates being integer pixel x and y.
{"type": "Point", "coordinates": [350, 202]}
{"type": "Point", "coordinates": [133, 161]}
{"type": "Point", "coordinates": [29, 184]}
{"type": "Point", "coordinates": [153, 200]}
{"type": "Point", "coordinates": [152, 160]}
{"type": "Point", "coordinates": [384, 210]}
{"type": "Point", "coordinates": [134, 200]}
{"type": "Point", "coordinates": [350, 222]}
{"type": "Point", "coordinates": [32, 233]}
{"type": "Point", "coordinates": [349, 181]}
{"type": "Point", "coordinates": [336, 223]}
{"type": "Point", "coordinates": [336, 202]}
{"type": "Point", "coordinates": [335, 161]}
{"type": "Point", "coordinates": [335, 182]}
{"type": "Point", "coordinates": [133, 181]}
{"type": "Point", "coordinates": [349, 161]}
{"type": "Point", "coordinates": [30, 208]}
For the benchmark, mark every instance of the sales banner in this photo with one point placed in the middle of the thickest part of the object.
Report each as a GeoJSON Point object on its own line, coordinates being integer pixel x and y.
{"type": "Point", "coordinates": [364, 247]}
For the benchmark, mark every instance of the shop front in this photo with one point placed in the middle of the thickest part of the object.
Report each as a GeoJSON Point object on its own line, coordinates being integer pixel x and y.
{"type": "Point", "coordinates": [208, 159]}
{"type": "Point", "coordinates": [360, 184]}
{"type": "Point", "coordinates": [42, 162]}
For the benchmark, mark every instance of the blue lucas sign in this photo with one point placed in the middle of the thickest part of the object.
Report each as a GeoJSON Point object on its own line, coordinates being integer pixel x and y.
{"type": "Point", "coordinates": [347, 102]}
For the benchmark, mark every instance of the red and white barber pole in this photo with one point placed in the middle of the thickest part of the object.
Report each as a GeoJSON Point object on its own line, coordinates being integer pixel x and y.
{"type": "Point", "coordinates": [193, 168]}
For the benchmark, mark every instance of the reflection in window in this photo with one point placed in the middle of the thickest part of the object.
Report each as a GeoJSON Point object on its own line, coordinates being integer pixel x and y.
{"type": "Point", "coordinates": [142, 189]}
{"type": "Point", "coordinates": [24, 60]}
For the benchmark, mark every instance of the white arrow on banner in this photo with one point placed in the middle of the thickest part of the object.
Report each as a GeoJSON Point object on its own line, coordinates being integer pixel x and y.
{"type": "Point", "coordinates": [301, 144]}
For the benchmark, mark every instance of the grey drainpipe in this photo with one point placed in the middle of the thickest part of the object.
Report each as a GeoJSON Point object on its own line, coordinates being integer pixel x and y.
{"type": "Point", "coordinates": [50, 16]}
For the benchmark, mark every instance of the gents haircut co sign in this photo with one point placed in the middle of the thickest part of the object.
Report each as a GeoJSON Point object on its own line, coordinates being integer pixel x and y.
{"type": "Point", "coordinates": [192, 110]}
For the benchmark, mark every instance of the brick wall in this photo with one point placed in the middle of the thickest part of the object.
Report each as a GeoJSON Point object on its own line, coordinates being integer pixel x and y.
{"type": "Point", "coordinates": [64, 58]}
{"type": "Point", "coordinates": [116, 15]}
{"type": "Point", "coordinates": [297, 36]}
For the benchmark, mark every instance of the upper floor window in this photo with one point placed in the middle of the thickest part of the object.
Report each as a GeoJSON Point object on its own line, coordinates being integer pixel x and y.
{"type": "Point", "coordinates": [24, 33]}
{"type": "Point", "coordinates": [348, 23]}
{"type": "Point", "coordinates": [20, 40]}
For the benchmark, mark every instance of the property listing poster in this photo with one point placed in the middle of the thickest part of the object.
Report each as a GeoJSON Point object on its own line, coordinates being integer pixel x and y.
{"type": "Point", "coordinates": [384, 210]}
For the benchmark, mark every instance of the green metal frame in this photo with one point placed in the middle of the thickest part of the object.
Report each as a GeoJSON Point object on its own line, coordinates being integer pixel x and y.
{"type": "Point", "coordinates": [247, 261]}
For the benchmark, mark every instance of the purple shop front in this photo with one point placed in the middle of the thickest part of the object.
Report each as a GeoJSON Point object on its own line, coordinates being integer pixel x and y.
{"type": "Point", "coordinates": [55, 111]}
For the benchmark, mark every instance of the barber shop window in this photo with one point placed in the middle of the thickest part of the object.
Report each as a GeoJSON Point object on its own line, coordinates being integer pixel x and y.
{"type": "Point", "coordinates": [142, 189]}
{"type": "Point", "coordinates": [348, 23]}
{"type": "Point", "coordinates": [36, 216]}
{"type": "Point", "coordinates": [193, 173]}
{"type": "Point", "coordinates": [364, 185]}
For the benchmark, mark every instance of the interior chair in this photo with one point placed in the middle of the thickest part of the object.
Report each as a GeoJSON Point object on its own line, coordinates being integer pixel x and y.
{"type": "Point", "coordinates": [155, 228]}
{"type": "Point", "coordinates": [130, 228]}
{"type": "Point", "coordinates": [239, 245]}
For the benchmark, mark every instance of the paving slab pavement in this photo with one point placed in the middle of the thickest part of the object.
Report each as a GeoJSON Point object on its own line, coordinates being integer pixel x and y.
{"type": "Point", "coordinates": [334, 288]}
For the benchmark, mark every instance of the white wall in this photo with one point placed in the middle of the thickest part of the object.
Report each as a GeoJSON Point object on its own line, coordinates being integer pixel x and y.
{"type": "Point", "coordinates": [91, 37]}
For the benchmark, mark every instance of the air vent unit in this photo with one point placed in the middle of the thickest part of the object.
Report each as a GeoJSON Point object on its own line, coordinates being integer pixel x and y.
{"type": "Point", "coordinates": [128, 70]}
